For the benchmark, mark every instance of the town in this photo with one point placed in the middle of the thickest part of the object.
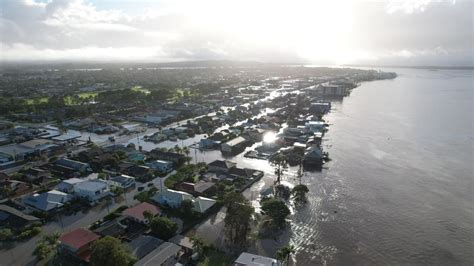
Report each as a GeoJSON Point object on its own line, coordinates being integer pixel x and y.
{"type": "Point", "coordinates": [133, 165]}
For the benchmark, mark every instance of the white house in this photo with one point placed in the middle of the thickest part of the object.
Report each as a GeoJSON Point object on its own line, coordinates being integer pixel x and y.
{"type": "Point", "coordinates": [93, 190]}
{"type": "Point", "coordinates": [68, 184]}
{"type": "Point", "coordinates": [248, 259]}
{"type": "Point", "coordinates": [174, 198]}
{"type": "Point", "coordinates": [161, 165]}
{"type": "Point", "coordinates": [315, 126]}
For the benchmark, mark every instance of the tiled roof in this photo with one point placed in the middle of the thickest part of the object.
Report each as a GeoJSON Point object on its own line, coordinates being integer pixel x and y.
{"type": "Point", "coordinates": [138, 210]}
{"type": "Point", "coordinates": [78, 238]}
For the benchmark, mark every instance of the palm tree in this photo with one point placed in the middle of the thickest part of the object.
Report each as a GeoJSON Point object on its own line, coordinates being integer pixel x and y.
{"type": "Point", "coordinates": [185, 150]}
{"type": "Point", "coordinates": [177, 148]}
{"type": "Point", "coordinates": [280, 164]}
{"type": "Point", "coordinates": [283, 254]}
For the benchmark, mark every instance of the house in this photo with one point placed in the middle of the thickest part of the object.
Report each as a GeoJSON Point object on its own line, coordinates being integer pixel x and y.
{"type": "Point", "coordinates": [208, 143]}
{"type": "Point", "coordinates": [202, 204]}
{"type": "Point", "coordinates": [67, 185]}
{"type": "Point", "coordinates": [166, 254]}
{"type": "Point", "coordinates": [13, 188]}
{"type": "Point", "coordinates": [93, 190]}
{"type": "Point", "coordinates": [328, 89]}
{"type": "Point", "coordinates": [320, 108]}
{"type": "Point", "coordinates": [140, 172]}
{"type": "Point", "coordinates": [161, 165]}
{"type": "Point", "coordinates": [176, 158]}
{"type": "Point", "coordinates": [172, 198]}
{"type": "Point", "coordinates": [197, 189]}
{"type": "Point", "coordinates": [245, 173]}
{"type": "Point", "coordinates": [313, 157]}
{"type": "Point", "coordinates": [122, 181]}
{"type": "Point", "coordinates": [37, 174]}
{"type": "Point", "coordinates": [234, 145]}
{"type": "Point", "coordinates": [14, 218]}
{"type": "Point", "coordinates": [219, 166]}
{"type": "Point", "coordinates": [248, 259]}
{"type": "Point", "coordinates": [136, 213]}
{"type": "Point", "coordinates": [315, 126]}
{"type": "Point", "coordinates": [78, 243]}
{"type": "Point", "coordinates": [112, 228]}
{"type": "Point", "coordinates": [73, 165]}
{"type": "Point", "coordinates": [143, 245]}
{"type": "Point", "coordinates": [184, 242]}
{"type": "Point", "coordinates": [47, 201]}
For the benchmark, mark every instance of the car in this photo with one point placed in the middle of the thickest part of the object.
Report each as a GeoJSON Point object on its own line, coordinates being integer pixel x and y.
{"type": "Point", "coordinates": [149, 185]}
{"type": "Point", "coordinates": [140, 188]}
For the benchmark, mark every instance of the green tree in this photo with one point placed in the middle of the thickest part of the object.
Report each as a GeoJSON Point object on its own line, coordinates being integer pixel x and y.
{"type": "Point", "coordinates": [299, 193]}
{"type": "Point", "coordinates": [283, 254]}
{"type": "Point", "coordinates": [46, 246]}
{"type": "Point", "coordinates": [163, 227]}
{"type": "Point", "coordinates": [280, 164]}
{"type": "Point", "coordinates": [237, 219]}
{"type": "Point", "coordinates": [198, 244]}
{"type": "Point", "coordinates": [276, 210]}
{"type": "Point", "coordinates": [109, 251]}
{"type": "Point", "coordinates": [187, 209]}
{"type": "Point", "coordinates": [5, 234]}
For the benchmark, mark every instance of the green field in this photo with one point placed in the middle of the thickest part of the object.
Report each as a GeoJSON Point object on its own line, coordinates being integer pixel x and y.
{"type": "Point", "coordinates": [37, 100]}
{"type": "Point", "coordinates": [68, 100]}
{"type": "Point", "coordinates": [140, 89]}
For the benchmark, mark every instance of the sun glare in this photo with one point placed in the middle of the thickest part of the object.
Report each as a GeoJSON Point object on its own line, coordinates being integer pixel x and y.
{"type": "Point", "coordinates": [269, 137]}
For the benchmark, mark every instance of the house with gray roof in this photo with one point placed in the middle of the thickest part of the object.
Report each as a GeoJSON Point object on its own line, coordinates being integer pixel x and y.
{"type": "Point", "coordinates": [47, 201]}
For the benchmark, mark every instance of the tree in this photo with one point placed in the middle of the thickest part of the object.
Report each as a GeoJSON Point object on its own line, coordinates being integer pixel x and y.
{"type": "Point", "coordinates": [5, 234]}
{"type": "Point", "coordinates": [299, 173]}
{"type": "Point", "coordinates": [237, 220]}
{"type": "Point", "coordinates": [148, 215]}
{"type": "Point", "coordinates": [198, 244]}
{"type": "Point", "coordinates": [109, 251]}
{"type": "Point", "coordinates": [163, 227]}
{"type": "Point", "coordinates": [46, 245]}
{"type": "Point", "coordinates": [276, 210]}
{"type": "Point", "coordinates": [280, 163]}
{"type": "Point", "coordinates": [283, 254]}
{"type": "Point", "coordinates": [299, 193]}
{"type": "Point", "coordinates": [186, 209]}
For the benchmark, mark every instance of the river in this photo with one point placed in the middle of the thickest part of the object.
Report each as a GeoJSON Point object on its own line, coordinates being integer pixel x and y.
{"type": "Point", "coordinates": [399, 188]}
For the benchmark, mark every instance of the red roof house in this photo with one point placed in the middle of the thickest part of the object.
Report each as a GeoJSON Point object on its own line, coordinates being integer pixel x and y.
{"type": "Point", "coordinates": [136, 212]}
{"type": "Point", "coordinates": [78, 242]}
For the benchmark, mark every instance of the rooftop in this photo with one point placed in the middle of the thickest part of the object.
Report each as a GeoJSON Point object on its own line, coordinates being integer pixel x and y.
{"type": "Point", "coordinates": [138, 210]}
{"type": "Point", "coordinates": [255, 260]}
{"type": "Point", "coordinates": [159, 255]}
{"type": "Point", "coordinates": [79, 237]}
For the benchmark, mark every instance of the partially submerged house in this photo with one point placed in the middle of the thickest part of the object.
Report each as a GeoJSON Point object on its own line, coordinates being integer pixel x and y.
{"type": "Point", "coordinates": [92, 190]}
{"type": "Point", "coordinates": [78, 243]}
{"type": "Point", "coordinates": [136, 213]}
{"type": "Point", "coordinates": [47, 201]}
{"type": "Point", "coordinates": [249, 259]}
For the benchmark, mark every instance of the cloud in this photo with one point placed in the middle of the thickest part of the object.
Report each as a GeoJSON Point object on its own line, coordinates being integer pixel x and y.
{"type": "Point", "coordinates": [322, 32]}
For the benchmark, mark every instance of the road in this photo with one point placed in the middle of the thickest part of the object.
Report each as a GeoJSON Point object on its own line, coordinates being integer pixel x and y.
{"type": "Point", "coordinates": [21, 253]}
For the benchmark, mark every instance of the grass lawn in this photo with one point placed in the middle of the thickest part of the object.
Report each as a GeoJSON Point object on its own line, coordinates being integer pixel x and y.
{"type": "Point", "coordinates": [140, 89]}
{"type": "Point", "coordinates": [37, 100]}
{"type": "Point", "coordinates": [215, 258]}
{"type": "Point", "coordinates": [68, 99]}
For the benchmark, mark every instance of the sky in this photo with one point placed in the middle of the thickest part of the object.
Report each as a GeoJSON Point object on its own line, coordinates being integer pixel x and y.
{"type": "Point", "coordinates": [370, 32]}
